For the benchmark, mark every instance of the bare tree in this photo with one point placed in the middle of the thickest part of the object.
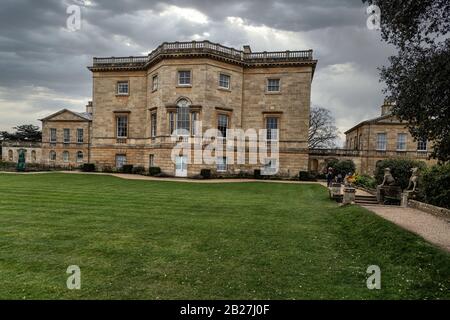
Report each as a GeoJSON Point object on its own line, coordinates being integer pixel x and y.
{"type": "Point", "coordinates": [322, 129]}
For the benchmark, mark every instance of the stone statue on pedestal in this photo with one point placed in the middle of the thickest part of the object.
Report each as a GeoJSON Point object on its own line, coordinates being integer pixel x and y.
{"type": "Point", "coordinates": [413, 179]}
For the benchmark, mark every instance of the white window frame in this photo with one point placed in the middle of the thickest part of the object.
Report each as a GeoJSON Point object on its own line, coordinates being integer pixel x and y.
{"type": "Point", "coordinates": [120, 164]}
{"type": "Point", "coordinates": [270, 87]}
{"type": "Point", "coordinates": [121, 85]}
{"type": "Point", "coordinates": [118, 117]}
{"type": "Point", "coordinates": [80, 159]}
{"type": "Point", "coordinates": [66, 135]}
{"type": "Point", "coordinates": [224, 83]}
{"type": "Point", "coordinates": [180, 83]}
{"type": "Point", "coordinates": [420, 145]}
{"type": "Point", "coordinates": [65, 156]}
{"type": "Point", "coordinates": [155, 82]}
{"type": "Point", "coordinates": [402, 144]}
{"type": "Point", "coordinates": [51, 154]}
{"type": "Point", "coordinates": [222, 164]}
{"type": "Point", "coordinates": [80, 135]}
{"type": "Point", "coordinates": [53, 134]}
{"type": "Point", "coordinates": [272, 135]}
{"type": "Point", "coordinates": [383, 143]}
{"type": "Point", "coordinates": [220, 124]}
{"type": "Point", "coordinates": [153, 124]}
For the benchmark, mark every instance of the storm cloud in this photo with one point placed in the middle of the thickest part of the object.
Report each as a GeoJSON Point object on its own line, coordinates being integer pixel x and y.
{"type": "Point", "coordinates": [43, 64]}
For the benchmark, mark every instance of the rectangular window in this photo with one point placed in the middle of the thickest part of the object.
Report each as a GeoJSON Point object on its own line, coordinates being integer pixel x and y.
{"type": "Point", "coordinates": [66, 135]}
{"type": "Point", "coordinates": [122, 88]}
{"type": "Point", "coordinates": [122, 126]}
{"type": "Point", "coordinates": [224, 81]}
{"type": "Point", "coordinates": [272, 128]}
{"type": "Point", "coordinates": [194, 119]}
{"type": "Point", "coordinates": [422, 145]}
{"type": "Point", "coordinates": [222, 124]}
{"type": "Point", "coordinates": [381, 141]}
{"type": "Point", "coordinates": [222, 164]}
{"type": "Point", "coordinates": [155, 83]}
{"type": "Point", "coordinates": [273, 85]}
{"type": "Point", "coordinates": [401, 142]}
{"type": "Point", "coordinates": [151, 160]}
{"type": "Point", "coordinates": [184, 77]}
{"type": "Point", "coordinates": [171, 122]}
{"type": "Point", "coordinates": [80, 137]}
{"type": "Point", "coordinates": [52, 134]}
{"type": "Point", "coordinates": [153, 125]}
{"type": "Point", "coordinates": [66, 156]}
{"type": "Point", "coordinates": [121, 160]}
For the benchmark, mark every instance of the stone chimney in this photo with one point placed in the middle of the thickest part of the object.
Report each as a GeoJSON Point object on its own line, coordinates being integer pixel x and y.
{"type": "Point", "coordinates": [386, 108]}
{"type": "Point", "coordinates": [247, 49]}
{"type": "Point", "coordinates": [89, 107]}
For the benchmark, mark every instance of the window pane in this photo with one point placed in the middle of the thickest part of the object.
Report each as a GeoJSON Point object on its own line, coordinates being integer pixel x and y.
{"type": "Point", "coordinates": [273, 85]}
{"type": "Point", "coordinates": [65, 156]}
{"type": "Point", "coordinates": [194, 116]}
{"type": "Point", "coordinates": [422, 145]}
{"type": "Point", "coordinates": [272, 126]}
{"type": "Point", "coordinates": [184, 77]}
{"type": "Point", "coordinates": [401, 141]}
{"type": "Point", "coordinates": [155, 83]}
{"type": "Point", "coordinates": [153, 125]}
{"type": "Point", "coordinates": [222, 124]}
{"type": "Point", "coordinates": [381, 141]}
{"type": "Point", "coordinates": [80, 137]}
{"type": "Point", "coordinates": [52, 135]}
{"type": "Point", "coordinates": [222, 164]}
{"type": "Point", "coordinates": [183, 117]}
{"type": "Point", "coordinates": [224, 81]}
{"type": "Point", "coordinates": [122, 87]}
{"type": "Point", "coordinates": [66, 135]}
{"type": "Point", "coordinates": [79, 156]}
{"type": "Point", "coordinates": [121, 160]}
{"type": "Point", "coordinates": [171, 122]}
{"type": "Point", "coordinates": [122, 126]}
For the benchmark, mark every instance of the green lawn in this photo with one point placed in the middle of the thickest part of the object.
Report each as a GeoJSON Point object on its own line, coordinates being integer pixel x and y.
{"type": "Point", "coordinates": [169, 240]}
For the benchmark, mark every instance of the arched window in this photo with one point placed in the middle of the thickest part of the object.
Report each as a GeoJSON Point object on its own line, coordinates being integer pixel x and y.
{"type": "Point", "coordinates": [52, 155]}
{"type": "Point", "coordinates": [66, 156]}
{"type": "Point", "coordinates": [80, 156]}
{"type": "Point", "coordinates": [183, 117]}
{"type": "Point", "coordinates": [33, 155]}
{"type": "Point", "coordinates": [10, 155]}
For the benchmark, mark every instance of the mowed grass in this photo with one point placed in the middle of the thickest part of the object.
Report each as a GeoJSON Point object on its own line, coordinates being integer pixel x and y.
{"type": "Point", "coordinates": [169, 240]}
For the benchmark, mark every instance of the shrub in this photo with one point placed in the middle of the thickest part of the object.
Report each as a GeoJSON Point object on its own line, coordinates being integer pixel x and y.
{"type": "Point", "coordinates": [434, 185]}
{"type": "Point", "coordinates": [400, 170]}
{"type": "Point", "coordinates": [88, 167]}
{"type": "Point", "coordinates": [127, 168]}
{"type": "Point", "coordinates": [344, 167]}
{"type": "Point", "coordinates": [138, 170]}
{"type": "Point", "coordinates": [153, 171]}
{"type": "Point", "coordinates": [205, 173]}
{"type": "Point", "coordinates": [306, 176]}
{"type": "Point", "coordinates": [366, 181]}
{"type": "Point", "coordinates": [107, 169]}
{"type": "Point", "coordinates": [257, 174]}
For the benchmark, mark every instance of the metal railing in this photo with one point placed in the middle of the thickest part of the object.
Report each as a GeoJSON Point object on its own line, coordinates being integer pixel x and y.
{"type": "Point", "coordinates": [197, 47]}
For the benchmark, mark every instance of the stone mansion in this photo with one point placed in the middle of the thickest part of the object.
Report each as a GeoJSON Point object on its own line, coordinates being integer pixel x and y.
{"type": "Point", "coordinates": [137, 102]}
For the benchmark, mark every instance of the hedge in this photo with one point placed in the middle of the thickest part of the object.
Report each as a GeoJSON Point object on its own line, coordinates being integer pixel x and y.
{"type": "Point", "coordinates": [400, 170]}
{"type": "Point", "coordinates": [434, 185]}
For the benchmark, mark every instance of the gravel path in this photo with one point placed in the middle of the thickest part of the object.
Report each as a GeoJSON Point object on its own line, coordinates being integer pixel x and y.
{"type": "Point", "coordinates": [433, 229]}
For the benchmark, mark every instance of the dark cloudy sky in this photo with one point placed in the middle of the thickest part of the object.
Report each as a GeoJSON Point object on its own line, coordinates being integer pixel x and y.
{"type": "Point", "coordinates": [43, 64]}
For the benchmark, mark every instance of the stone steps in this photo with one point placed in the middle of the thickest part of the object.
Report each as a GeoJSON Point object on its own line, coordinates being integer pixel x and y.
{"type": "Point", "coordinates": [366, 200]}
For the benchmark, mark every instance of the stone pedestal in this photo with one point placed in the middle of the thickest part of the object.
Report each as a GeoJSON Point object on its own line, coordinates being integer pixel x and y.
{"type": "Point", "coordinates": [405, 197]}
{"type": "Point", "coordinates": [349, 195]}
{"type": "Point", "coordinates": [335, 190]}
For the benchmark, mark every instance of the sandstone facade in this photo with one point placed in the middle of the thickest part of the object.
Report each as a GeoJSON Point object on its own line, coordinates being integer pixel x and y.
{"type": "Point", "coordinates": [138, 92]}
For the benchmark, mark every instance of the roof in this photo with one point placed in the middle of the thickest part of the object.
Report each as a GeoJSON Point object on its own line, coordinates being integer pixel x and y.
{"type": "Point", "coordinates": [84, 115]}
{"type": "Point", "coordinates": [208, 49]}
{"type": "Point", "coordinates": [372, 121]}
